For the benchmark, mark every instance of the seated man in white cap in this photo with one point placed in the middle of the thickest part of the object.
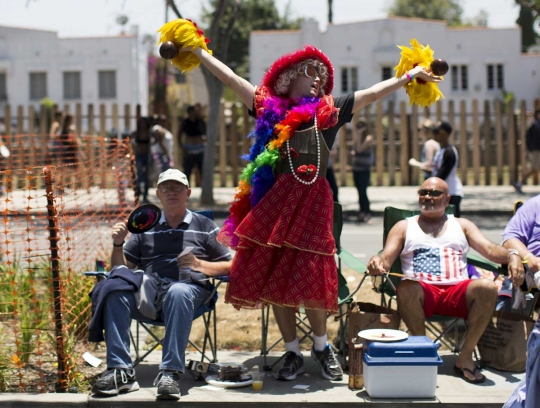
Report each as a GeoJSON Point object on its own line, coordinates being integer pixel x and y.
{"type": "Point", "coordinates": [180, 294]}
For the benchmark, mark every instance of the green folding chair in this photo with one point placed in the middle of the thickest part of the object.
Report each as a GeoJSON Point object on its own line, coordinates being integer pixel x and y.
{"type": "Point", "coordinates": [386, 286]}
{"type": "Point", "coordinates": [344, 298]}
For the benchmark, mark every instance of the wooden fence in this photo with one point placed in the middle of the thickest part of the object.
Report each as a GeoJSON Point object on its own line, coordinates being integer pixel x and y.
{"type": "Point", "coordinates": [489, 136]}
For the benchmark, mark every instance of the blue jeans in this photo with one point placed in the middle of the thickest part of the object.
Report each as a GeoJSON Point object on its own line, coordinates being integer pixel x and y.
{"type": "Point", "coordinates": [179, 304]}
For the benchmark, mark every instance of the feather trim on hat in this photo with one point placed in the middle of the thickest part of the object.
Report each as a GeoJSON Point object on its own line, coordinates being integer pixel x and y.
{"type": "Point", "coordinates": [288, 60]}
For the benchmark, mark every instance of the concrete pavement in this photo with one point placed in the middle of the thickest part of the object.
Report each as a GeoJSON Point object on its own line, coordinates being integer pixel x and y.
{"type": "Point", "coordinates": [451, 390]}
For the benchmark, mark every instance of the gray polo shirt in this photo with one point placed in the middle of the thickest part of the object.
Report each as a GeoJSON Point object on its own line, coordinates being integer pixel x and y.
{"type": "Point", "coordinates": [157, 249]}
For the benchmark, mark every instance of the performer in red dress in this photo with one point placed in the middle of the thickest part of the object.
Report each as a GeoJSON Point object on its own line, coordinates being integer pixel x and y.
{"type": "Point", "coordinates": [280, 222]}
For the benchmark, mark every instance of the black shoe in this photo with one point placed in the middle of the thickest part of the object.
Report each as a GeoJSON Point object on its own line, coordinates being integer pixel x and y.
{"type": "Point", "coordinates": [292, 367]}
{"type": "Point", "coordinates": [168, 386]}
{"type": "Point", "coordinates": [518, 186]}
{"type": "Point", "coordinates": [330, 366]}
{"type": "Point", "coordinates": [115, 381]}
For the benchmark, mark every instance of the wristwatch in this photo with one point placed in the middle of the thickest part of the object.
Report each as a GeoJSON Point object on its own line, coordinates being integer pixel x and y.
{"type": "Point", "coordinates": [513, 252]}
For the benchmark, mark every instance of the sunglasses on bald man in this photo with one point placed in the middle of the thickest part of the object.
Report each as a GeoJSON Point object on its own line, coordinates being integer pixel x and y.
{"type": "Point", "coordinates": [423, 192]}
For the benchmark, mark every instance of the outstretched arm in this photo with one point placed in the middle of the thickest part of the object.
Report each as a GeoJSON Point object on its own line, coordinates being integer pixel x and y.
{"type": "Point", "coordinates": [493, 252]}
{"type": "Point", "coordinates": [384, 88]}
{"type": "Point", "coordinates": [240, 86]}
{"type": "Point", "coordinates": [379, 264]}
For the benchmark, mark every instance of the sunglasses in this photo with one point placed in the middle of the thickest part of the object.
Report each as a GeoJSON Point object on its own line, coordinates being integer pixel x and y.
{"type": "Point", "coordinates": [310, 71]}
{"type": "Point", "coordinates": [170, 189]}
{"type": "Point", "coordinates": [433, 193]}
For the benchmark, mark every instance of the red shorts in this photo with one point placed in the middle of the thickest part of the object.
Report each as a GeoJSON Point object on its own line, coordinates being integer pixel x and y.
{"type": "Point", "coordinates": [446, 300]}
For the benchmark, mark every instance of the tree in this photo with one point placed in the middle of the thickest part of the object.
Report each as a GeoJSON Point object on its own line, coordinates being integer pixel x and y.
{"type": "Point", "coordinates": [230, 24]}
{"type": "Point", "coordinates": [529, 14]}
{"type": "Point", "coordinates": [447, 10]}
{"type": "Point", "coordinates": [481, 19]}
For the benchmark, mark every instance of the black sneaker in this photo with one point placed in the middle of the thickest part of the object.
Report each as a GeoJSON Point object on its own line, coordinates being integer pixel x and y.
{"type": "Point", "coordinates": [330, 366]}
{"type": "Point", "coordinates": [115, 381]}
{"type": "Point", "coordinates": [518, 186]}
{"type": "Point", "coordinates": [293, 366]}
{"type": "Point", "coordinates": [168, 385]}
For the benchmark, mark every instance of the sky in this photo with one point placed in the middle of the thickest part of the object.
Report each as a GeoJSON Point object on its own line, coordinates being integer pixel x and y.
{"type": "Point", "coordinates": [91, 18]}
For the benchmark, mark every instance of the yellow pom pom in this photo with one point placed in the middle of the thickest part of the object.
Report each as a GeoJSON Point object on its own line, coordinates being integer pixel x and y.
{"type": "Point", "coordinates": [184, 33]}
{"type": "Point", "coordinates": [420, 93]}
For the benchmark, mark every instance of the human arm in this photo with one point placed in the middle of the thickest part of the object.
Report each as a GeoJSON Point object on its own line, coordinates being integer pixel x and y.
{"type": "Point", "coordinates": [179, 137]}
{"type": "Point", "coordinates": [54, 130]}
{"type": "Point", "coordinates": [532, 260]}
{"type": "Point", "coordinates": [431, 147]}
{"type": "Point", "coordinates": [448, 161]}
{"type": "Point", "coordinates": [379, 264]}
{"type": "Point", "coordinates": [493, 252]}
{"type": "Point", "coordinates": [522, 231]}
{"type": "Point", "coordinates": [220, 268]}
{"type": "Point", "coordinates": [159, 135]}
{"type": "Point", "coordinates": [360, 146]}
{"type": "Point", "coordinates": [384, 88]}
{"type": "Point", "coordinates": [239, 85]}
{"type": "Point", "coordinates": [119, 234]}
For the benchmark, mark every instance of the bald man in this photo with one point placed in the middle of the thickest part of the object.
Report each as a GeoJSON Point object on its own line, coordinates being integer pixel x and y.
{"type": "Point", "coordinates": [433, 249]}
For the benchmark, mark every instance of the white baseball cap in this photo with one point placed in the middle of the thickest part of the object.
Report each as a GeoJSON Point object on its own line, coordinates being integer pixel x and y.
{"type": "Point", "coordinates": [174, 175]}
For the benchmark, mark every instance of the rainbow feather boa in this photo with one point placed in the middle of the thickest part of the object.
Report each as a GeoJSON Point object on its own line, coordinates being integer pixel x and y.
{"type": "Point", "coordinates": [276, 123]}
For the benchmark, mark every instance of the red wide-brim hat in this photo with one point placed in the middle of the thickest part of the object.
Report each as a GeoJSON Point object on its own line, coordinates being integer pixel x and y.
{"type": "Point", "coordinates": [288, 60]}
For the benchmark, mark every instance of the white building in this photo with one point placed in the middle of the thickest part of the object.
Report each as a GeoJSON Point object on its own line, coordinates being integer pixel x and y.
{"type": "Point", "coordinates": [35, 64]}
{"type": "Point", "coordinates": [483, 61]}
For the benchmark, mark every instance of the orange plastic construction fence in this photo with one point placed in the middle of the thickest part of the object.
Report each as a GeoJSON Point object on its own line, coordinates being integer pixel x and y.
{"type": "Point", "coordinates": [58, 205]}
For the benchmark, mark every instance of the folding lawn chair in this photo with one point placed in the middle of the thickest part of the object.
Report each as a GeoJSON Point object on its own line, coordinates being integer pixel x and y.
{"type": "Point", "coordinates": [207, 311]}
{"type": "Point", "coordinates": [386, 289]}
{"type": "Point", "coordinates": [344, 298]}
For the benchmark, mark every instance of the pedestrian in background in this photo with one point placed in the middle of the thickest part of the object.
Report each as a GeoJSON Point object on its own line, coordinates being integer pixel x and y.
{"type": "Point", "coordinates": [162, 144]}
{"type": "Point", "coordinates": [532, 139]}
{"type": "Point", "coordinates": [192, 139]}
{"type": "Point", "coordinates": [141, 141]}
{"type": "Point", "coordinates": [363, 159]}
{"type": "Point", "coordinates": [429, 149]}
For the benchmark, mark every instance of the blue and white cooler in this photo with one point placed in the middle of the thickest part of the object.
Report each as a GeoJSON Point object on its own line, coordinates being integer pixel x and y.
{"type": "Point", "coordinates": [401, 369]}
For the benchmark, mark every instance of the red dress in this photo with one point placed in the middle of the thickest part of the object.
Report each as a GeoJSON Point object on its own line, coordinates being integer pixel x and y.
{"type": "Point", "coordinates": [285, 255]}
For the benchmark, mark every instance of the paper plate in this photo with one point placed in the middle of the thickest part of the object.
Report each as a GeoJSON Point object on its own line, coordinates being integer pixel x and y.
{"type": "Point", "coordinates": [213, 380]}
{"type": "Point", "coordinates": [143, 218]}
{"type": "Point", "coordinates": [383, 335]}
{"type": "Point", "coordinates": [4, 151]}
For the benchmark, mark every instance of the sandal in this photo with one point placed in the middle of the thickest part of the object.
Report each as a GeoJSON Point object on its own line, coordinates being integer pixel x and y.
{"type": "Point", "coordinates": [461, 373]}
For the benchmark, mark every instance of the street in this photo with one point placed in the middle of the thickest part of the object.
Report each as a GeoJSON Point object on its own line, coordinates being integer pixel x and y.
{"type": "Point", "coordinates": [365, 240]}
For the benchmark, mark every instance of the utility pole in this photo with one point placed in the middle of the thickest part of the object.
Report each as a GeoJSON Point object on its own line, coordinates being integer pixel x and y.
{"type": "Point", "coordinates": [330, 14]}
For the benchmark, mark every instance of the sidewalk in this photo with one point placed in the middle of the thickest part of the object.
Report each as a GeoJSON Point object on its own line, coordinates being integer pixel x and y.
{"type": "Point", "coordinates": [478, 200]}
{"type": "Point", "coordinates": [451, 390]}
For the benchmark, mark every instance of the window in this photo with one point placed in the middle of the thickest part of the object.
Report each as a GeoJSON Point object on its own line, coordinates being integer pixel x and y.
{"type": "Point", "coordinates": [107, 84]}
{"type": "Point", "coordinates": [464, 78]}
{"type": "Point", "coordinates": [386, 73]}
{"type": "Point", "coordinates": [38, 85]}
{"type": "Point", "coordinates": [455, 80]}
{"type": "Point", "coordinates": [460, 77]}
{"type": "Point", "coordinates": [349, 79]}
{"type": "Point", "coordinates": [3, 87]}
{"type": "Point", "coordinates": [500, 76]}
{"type": "Point", "coordinates": [72, 85]}
{"type": "Point", "coordinates": [495, 77]}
